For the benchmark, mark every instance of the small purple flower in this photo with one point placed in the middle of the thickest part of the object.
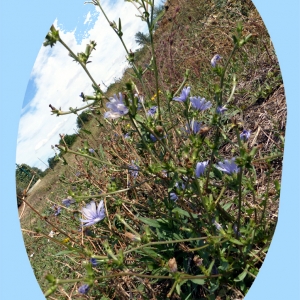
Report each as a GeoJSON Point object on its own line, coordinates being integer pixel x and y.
{"type": "Point", "coordinates": [152, 111]}
{"type": "Point", "coordinates": [228, 166]}
{"type": "Point", "coordinates": [93, 214]}
{"type": "Point", "coordinates": [200, 168]}
{"type": "Point", "coordinates": [200, 103]}
{"type": "Point", "coordinates": [127, 135]}
{"type": "Point", "coordinates": [94, 262]}
{"type": "Point", "coordinates": [83, 289]}
{"type": "Point", "coordinates": [173, 196]}
{"type": "Point", "coordinates": [117, 107]}
{"type": "Point", "coordinates": [217, 225]}
{"type": "Point", "coordinates": [81, 95]}
{"type": "Point", "coordinates": [91, 150]}
{"type": "Point", "coordinates": [221, 110]}
{"type": "Point", "coordinates": [194, 126]}
{"type": "Point", "coordinates": [235, 230]}
{"type": "Point", "coordinates": [184, 94]}
{"type": "Point", "coordinates": [67, 202]}
{"type": "Point", "coordinates": [215, 59]}
{"type": "Point", "coordinates": [58, 210]}
{"type": "Point", "coordinates": [153, 138]}
{"type": "Point", "coordinates": [245, 135]}
{"type": "Point", "coordinates": [133, 169]}
{"type": "Point", "coordinates": [180, 186]}
{"type": "Point", "coordinates": [77, 174]}
{"type": "Point", "coordinates": [140, 98]}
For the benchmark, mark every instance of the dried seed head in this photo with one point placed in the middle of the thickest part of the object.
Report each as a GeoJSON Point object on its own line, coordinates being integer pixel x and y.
{"type": "Point", "coordinates": [172, 265]}
{"type": "Point", "coordinates": [204, 130]}
{"type": "Point", "coordinates": [159, 129]}
{"type": "Point", "coordinates": [132, 237]}
{"type": "Point", "coordinates": [197, 260]}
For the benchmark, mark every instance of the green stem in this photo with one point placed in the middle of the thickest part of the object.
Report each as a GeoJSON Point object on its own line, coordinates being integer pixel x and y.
{"type": "Point", "coordinates": [271, 157]}
{"type": "Point", "coordinates": [75, 110]}
{"type": "Point", "coordinates": [223, 74]}
{"type": "Point", "coordinates": [115, 192]}
{"type": "Point", "coordinates": [44, 219]}
{"type": "Point", "coordinates": [83, 66]}
{"type": "Point", "coordinates": [143, 140]}
{"type": "Point", "coordinates": [167, 149]}
{"type": "Point", "coordinates": [240, 203]}
{"type": "Point", "coordinates": [168, 242]}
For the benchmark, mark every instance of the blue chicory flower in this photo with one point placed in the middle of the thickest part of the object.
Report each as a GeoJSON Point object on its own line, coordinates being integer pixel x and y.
{"type": "Point", "coordinates": [245, 135]}
{"type": "Point", "coordinates": [217, 225]}
{"type": "Point", "coordinates": [200, 168]}
{"type": "Point", "coordinates": [228, 166]}
{"type": "Point", "coordinates": [184, 94]}
{"type": "Point", "coordinates": [194, 127]}
{"type": "Point", "coordinates": [94, 262]}
{"type": "Point", "coordinates": [173, 196]}
{"type": "Point", "coordinates": [67, 202]}
{"type": "Point", "coordinates": [215, 59]}
{"type": "Point", "coordinates": [93, 214]}
{"type": "Point", "coordinates": [180, 186]}
{"type": "Point", "coordinates": [221, 110]}
{"type": "Point", "coordinates": [91, 150]}
{"type": "Point", "coordinates": [152, 111]}
{"type": "Point", "coordinates": [200, 103]}
{"type": "Point", "coordinates": [83, 289]}
{"type": "Point", "coordinates": [134, 173]}
{"type": "Point", "coordinates": [234, 227]}
{"type": "Point", "coordinates": [140, 98]}
{"type": "Point", "coordinates": [58, 210]}
{"type": "Point", "coordinates": [153, 138]}
{"type": "Point", "coordinates": [117, 107]}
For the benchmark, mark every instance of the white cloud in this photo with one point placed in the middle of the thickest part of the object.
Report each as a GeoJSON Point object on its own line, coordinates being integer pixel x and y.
{"type": "Point", "coordinates": [88, 18]}
{"type": "Point", "coordinates": [59, 80]}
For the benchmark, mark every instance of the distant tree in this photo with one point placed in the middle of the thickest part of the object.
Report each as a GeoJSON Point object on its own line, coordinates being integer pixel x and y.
{"type": "Point", "coordinates": [19, 194]}
{"type": "Point", "coordinates": [38, 172]}
{"type": "Point", "coordinates": [84, 117]}
{"type": "Point", "coordinates": [69, 139]}
{"type": "Point", "coordinates": [142, 39]}
{"type": "Point", "coordinates": [52, 161]}
{"type": "Point", "coordinates": [24, 175]}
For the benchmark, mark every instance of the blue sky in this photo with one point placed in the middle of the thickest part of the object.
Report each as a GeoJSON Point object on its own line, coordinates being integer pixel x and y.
{"type": "Point", "coordinates": [55, 79]}
{"type": "Point", "coordinates": [23, 28]}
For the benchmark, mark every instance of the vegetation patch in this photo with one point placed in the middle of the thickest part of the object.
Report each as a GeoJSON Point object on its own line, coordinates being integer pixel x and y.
{"type": "Point", "coordinates": [170, 188]}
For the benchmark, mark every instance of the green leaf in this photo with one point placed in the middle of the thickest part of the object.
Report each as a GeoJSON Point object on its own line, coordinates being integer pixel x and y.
{"type": "Point", "coordinates": [102, 155]}
{"type": "Point", "coordinates": [235, 241]}
{"type": "Point", "coordinates": [178, 289]}
{"type": "Point", "coordinates": [199, 281]}
{"type": "Point", "coordinates": [149, 251]}
{"type": "Point", "coordinates": [183, 212]}
{"type": "Point", "coordinates": [139, 118]}
{"type": "Point", "coordinates": [227, 206]}
{"type": "Point", "coordinates": [86, 131]}
{"type": "Point", "coordinates": [120, 25]}
{"type": "Point", "coordinates": [150, 222]}
{"type": "Point", "coordinates": [242, 275]}
{"type": "Point", "coordinates": [64, 252]}
{"type": "Point", "coordinates": [210, 266]}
